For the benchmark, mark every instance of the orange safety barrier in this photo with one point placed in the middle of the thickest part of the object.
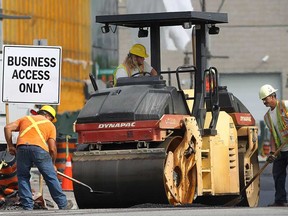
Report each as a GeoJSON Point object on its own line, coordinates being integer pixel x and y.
{"type": "Point", "coordinates": [266, 148]}
{"type": "Point", "coordinates": [67, 184]}
{"type": "Point", "coordinates": [65, 147]}
{"type": "Point", "coordinates": [8, 175]}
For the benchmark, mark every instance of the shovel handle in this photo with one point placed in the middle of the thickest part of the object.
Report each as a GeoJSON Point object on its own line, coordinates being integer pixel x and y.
{"type": "Point", "coordinates": [75, 180]}
{"type": "Point", "coordinates": [81, 183]}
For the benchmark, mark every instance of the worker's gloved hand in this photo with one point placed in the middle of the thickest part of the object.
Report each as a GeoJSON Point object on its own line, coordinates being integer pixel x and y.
{"type": "Point", "coordinates": [271, 158]}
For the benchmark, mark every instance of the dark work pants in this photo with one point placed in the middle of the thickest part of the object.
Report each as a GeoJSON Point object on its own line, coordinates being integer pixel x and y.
{"type": "Point", "coordinates": [279, 175]}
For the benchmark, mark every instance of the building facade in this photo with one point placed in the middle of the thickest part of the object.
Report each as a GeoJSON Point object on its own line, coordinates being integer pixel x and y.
{"type": "Point", "coordinates": [64, 23]}
{"type": "Point", "coordinates": [249, 51]}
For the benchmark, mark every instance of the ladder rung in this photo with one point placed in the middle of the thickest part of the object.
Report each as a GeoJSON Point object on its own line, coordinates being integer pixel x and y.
{"type": "Point", "coordinates": [206, 190]}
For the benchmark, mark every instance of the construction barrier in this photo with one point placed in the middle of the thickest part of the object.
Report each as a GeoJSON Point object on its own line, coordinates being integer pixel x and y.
{"type": "Point", "coordinates": [266, 148]}
{"type": "Point", "coordinates": [65, 147]}
{"type": "Point", "coordinates": [67, 184]}
{"type": "Point", "coordinates": [8, 175]}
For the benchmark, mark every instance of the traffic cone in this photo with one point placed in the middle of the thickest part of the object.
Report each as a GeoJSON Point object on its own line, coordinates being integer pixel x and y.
{"type": "Point", "coordinates": [67, 184]}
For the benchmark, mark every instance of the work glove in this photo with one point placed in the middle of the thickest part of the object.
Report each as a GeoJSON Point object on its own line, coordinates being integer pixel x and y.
{"type": "Point", "coordinates": [271, 158]}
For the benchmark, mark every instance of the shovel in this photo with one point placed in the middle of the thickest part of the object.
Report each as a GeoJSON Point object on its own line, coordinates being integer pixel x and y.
{"type": "Point", "coordinates": [85, 185]}
{"type": "Point", "coordinates": [240, 197]}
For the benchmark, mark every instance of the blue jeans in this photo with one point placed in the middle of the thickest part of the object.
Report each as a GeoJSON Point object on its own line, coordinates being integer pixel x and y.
{"type": "Point", "coordinates": [27, 156]}
{"type": "Point", "coordinates": [279, 175]}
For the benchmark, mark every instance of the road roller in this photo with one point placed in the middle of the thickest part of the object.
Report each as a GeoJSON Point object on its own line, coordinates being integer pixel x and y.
{"type": "Point", "coordinates": [147, 141]}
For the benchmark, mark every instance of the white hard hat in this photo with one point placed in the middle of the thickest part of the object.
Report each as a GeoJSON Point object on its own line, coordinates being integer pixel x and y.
{"type": "Point", "coordinates": [266, 90]}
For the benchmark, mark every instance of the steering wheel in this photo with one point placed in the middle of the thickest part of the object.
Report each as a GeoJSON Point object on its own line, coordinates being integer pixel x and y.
{"type": "Point", "coordinates": [141, 73]}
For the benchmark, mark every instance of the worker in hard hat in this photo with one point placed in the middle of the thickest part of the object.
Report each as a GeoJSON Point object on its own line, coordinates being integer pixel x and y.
{"type": "Point", "coordinates": [36, 145]}
{"type": "Point", "coordinates": [134, 64]}
{"type": "Point", "coordinates": [276, 120]}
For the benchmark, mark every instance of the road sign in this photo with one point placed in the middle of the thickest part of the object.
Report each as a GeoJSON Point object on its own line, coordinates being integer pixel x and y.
{"type": "Point", "coordinates": [31, 74]}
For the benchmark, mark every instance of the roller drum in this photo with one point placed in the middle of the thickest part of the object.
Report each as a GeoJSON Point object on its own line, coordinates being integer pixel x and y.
{"type": "Point", "coordinates": [133, 176]}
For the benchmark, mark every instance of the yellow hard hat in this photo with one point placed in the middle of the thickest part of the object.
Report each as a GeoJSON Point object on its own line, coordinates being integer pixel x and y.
{"type": "Point", "coordinates": [50, 110]}
{"type": "Point", "coordinates": [139, 50]}
{"type": "Point", "coordinates": [266, 90]}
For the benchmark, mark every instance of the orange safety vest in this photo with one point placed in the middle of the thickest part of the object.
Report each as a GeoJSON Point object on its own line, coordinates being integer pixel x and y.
{"type": "Point", "coordinates": [282, 123]}
{"type": "Point", "coordinates": [36, 130]}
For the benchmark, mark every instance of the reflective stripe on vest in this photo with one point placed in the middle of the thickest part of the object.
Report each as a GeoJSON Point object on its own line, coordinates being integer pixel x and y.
{"type": "Point", "coordinates": [282, 123]}
{"type": "Point", "coordinates": [35, 124]}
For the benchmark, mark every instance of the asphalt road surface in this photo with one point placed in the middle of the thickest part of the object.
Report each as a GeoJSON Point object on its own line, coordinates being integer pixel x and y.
{"type": "Point", "coordinates": [266, 197]}
{"type": "Point", "coordinates": [179, 211]}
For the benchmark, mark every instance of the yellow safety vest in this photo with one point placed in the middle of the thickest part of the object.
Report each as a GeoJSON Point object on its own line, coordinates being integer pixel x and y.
{"type": "Point", "coordinates": [115, 71]}
{"type": "Point", "coordinates": [129, 73]}
{"type": "Point", "coordinates": [282, 123]}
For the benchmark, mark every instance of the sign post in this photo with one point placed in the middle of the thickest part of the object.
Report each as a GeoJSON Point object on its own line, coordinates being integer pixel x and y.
{"type": "Point", "coordinates": [31, 74]}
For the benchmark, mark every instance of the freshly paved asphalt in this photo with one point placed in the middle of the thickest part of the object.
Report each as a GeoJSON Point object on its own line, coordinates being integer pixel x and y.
{"type": "Point", "coordinates": [266, 197]}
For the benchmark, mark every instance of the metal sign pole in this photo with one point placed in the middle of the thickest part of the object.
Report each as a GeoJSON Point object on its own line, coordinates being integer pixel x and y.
{"type": "Point", "coordinates": [7, 113]}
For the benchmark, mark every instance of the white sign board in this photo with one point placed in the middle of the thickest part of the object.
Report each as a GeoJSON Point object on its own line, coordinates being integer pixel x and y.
{"type": "Point", "coordinates": [31, 74]}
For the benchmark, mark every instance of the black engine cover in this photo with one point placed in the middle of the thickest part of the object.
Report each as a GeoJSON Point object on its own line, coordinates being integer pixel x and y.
{"type": "Point", "coordinates": [132, 103]}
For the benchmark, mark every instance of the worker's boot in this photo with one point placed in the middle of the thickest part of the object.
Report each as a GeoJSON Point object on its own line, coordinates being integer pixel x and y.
{"type": "Point", "coordinates": [69, 205]}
